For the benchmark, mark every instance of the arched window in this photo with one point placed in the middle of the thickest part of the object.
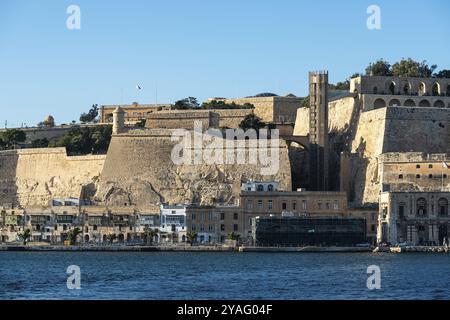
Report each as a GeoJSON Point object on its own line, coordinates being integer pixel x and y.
{"type": "Point", "coordinates": [379, 103]}
{"type": "Point", "coordinates": [270, 187]}
{"type": "Point", "coordinates": [394, 103]}
{"type": "Point", "coordinates": [422, 89]}
{"type": "Point", "coordinates": [392, 87]}
{"type": "Point", "coordinates": [406, 88]}
{"type": "Point", "coordinates": [439, 104]}
{"type": "Point", "coordinates": [436, 90]}
{"type": "Point", "coordinates": [443, 207]}
{"type": "Point", "coordinates": [260, 188]}
{"type": "Point", "coordinates": [424, 103]}
{"type": "Point", "coordinates": [409, 103]}
{"type": "Point", "coordinates": [421, 207]}
{"type": "Point", "coordinates": [375, 90]}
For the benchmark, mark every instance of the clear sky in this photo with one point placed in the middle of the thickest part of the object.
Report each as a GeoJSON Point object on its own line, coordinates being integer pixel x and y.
{"type": "Point", "coordinates": [200, 48]}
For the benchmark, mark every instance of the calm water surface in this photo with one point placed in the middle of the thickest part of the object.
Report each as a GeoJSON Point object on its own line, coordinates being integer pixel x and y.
{"type": "Point", "coordinates": [165, 275]}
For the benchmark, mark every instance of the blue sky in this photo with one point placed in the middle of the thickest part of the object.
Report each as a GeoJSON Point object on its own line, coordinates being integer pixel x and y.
{"type": "Point", "coordinates": [200, 48]}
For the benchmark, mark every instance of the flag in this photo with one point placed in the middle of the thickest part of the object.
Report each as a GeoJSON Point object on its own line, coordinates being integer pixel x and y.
{"type": "Point", "coordinates": [138, 87]}
{"type": "Point", "coordinates": [445, 165]}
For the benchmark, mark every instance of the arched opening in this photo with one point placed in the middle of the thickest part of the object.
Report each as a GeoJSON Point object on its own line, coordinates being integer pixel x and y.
{"type": "Point", "coordinates": [424, 103]}
{"type": "Point", "coordinates": [86, 238]}
{"type": "Point", "coordinates": [409, 103]}
{"type": "Point", "coordinates": [121, 238]}
{"type": "Point", "coordinates": [448, 90]}
{"type": "Point", "coordinates": [443, 234]}
{"type": "Point", "coordinates": [104, 238]}
{"type": "Point", "coordinates": [394, 103]}
{"type": "Point", "coordinates": [391, 87]}
{"type": "Point", "coordinates": [443, 207]}
{"type": "Point", "coordinates": [439, 104]}
{"type": "Point", "coordinates": [260, 188]}
{"type": "Point", "coordinates": [375, 90]}
{"type": "Point", "coordinates": [270, 188]}
{"type": "Point", "coordinates": [421, 205]}
{"type": "Point", "coordinates": [183, 238]}
{"type": "Point", "coordinates": [436, 89]}
{"type": "Point", "coordinates": [407, 88]}
{"type": "Point", "coordinates": [422, 89]}
{"type": "Point", "coordinates": [379, 103]}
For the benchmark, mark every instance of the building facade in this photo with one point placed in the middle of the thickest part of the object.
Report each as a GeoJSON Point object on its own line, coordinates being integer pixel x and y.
{"type": "Point", "coordinates": [417, 218]}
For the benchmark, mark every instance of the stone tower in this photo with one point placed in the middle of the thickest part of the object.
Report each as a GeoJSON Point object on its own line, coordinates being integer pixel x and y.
{"type": "Point", "coordinates": [318, 130]}
{"type": "Point", "coordinates": [118, 121]}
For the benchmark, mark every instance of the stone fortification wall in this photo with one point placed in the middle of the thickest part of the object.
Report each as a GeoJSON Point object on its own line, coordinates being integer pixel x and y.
{"type": "Point", "coordinates": [139, 171]}
{"type": "Point", "coordinates": [34, 176]}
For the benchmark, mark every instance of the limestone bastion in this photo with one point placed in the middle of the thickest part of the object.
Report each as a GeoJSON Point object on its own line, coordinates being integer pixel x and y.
{"type": "Point", "coordinates": [139, 171]}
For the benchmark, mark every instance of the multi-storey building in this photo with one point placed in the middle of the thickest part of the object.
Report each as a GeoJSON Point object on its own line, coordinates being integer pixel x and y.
{"type": "Point", "coordinates": [173, 223]}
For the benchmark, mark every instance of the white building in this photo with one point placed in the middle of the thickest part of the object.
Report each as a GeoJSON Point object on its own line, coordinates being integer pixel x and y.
{"type": "Point", "coordinates": [260, 186]}
{"type": "Point", "coordinates": [173, 223]}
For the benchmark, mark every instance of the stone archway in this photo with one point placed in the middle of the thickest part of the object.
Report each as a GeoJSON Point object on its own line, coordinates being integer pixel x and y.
{"type": "Point", "coordinates": [409, 103]}
{"type": "Point", "coordinates": [394, 103]}
{"type": "Point", "coordinates": [443, 234]}
{"type": "Point", "coordinates": [424, 104]}
{"type": "Point", "coordinates": [436, 89]}
{"type": "Point", "coordinates": [439, 104]}
{"type": "Point", "coordinates": [379, 103]}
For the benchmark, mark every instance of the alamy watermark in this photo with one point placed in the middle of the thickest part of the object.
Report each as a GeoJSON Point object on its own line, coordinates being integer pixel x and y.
{"type": "Point", "coordinates": [227, 147]}
{"type": "Point", "coordinates": [73, 21]}
{"type": "Point", "coordinates": [374, 280]}
{"type": "Point", "coordinates": [74, 280]}
{"type": "Point", "coordinates": [374, 19]}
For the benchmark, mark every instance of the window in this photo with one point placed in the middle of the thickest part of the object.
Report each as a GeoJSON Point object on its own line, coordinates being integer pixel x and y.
{"type": "Point", "coordinates": [319, 205]}
{"type": "Point", "coordinates": [222, 216]}
{"type": "Point", "coordinates": [336, 205]}
{"type": "Point", "coordinates": [430, 166]}
{"type": "Point", "coordinates": [372, 228]}
{"type": "Point", "coordinates": [202, 227]}
{"type": "Point", "coordinates": [417, 176]}
{"type": "Point", "coordinates": [193, 228]}
{"type": "Point", "coordinates": [249, 204]}
{"type": "Point", "coordinates": [194, 216]}
{"type": "Point", "coordinates": [417, 166]}
{"type": "Point", "coordinates": [284, 205]}
{"type": "Point", "coordinates": [430, 176]}
{"type": "Point", "coordinates": [260, 205]}
{"type": "Point", "coordinates": [260, 188]}
{"type": "Point", "coordinates": [235, 227]}
{"type": "Point", "coordinates": [294, 205]}
{"type": "Point", "coordinates": [270, 205]}
{"type": "Point", "coordinates": [421, 207]}
{"type": "Point", "coordinates": [210, 216]}
{"type": "Point", "coordinates": [203, 216]}
{"type": "Point", "coordinates": [235, 216]}
{"type": "Point", "coordinates": [328, 206]}
{"type": "Point", "coordinates": [211, 228]}
{"type": "Point", "coordinates": [443, 207]}
{"type": "Point", "coordinates": [222, 227]}
{"type": "Point", "coordinates": [401, 211]}
{"type": "Point", "coordinates": [400, 176]}
{"type": "Point", "coordinates": [270, 188]}
{"type": "Point", "coordinates": [373, 216]}
{"type": "Point", "coordinates": [304, 206]}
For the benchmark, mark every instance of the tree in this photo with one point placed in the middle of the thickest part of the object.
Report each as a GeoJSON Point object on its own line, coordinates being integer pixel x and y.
{"type": "Point", "coordinates": [233, 236]}
{"type": "Point", "coordinates": [251, 121]}
{"type": "Point", "coordinates": [187, 103]}
{"type": "Point", "coordinates": [73, 234]}
{"type": "Point", "coordinates": [25, 236]}
{"type": "Point", "coordinates": [40, 143]}
{"type": "Point", "coordinates": [111, 237]}
{"type": "Point", "coordinates": [91, 115]}
{"type": "Point", "coordinates": [379, 68]}
{"type": "Point", "coordinates": [445, 73]}
{"type": "Point", "coordinates": [219, 104]}
{"type": "Point", "coordinates": [11, 137]}
{"type": "Point", "coordinates": [345, 85]}
{"type": "Point", "coordinates": [191, 237]}
{"type": "Point", "coordinates": [410, 68]}
{"type": "Point", "coordinates": [141, 123]}
{"type": "Point", "coordinates": [150, 234]}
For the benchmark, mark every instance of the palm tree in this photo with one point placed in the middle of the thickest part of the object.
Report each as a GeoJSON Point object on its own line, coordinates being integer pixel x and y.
{"type": "Point", "coordinates": [111, 237]}
{"type": "Point", "coordinates": [233, 236]}
{"type": "Point", "coordinates": [25, 236]}
{"type": "Point", "coordinates": [150, 234]}
{"type": "Point", "coordinates": [191, 237]}
{"type": "Point", "coordinates": [73, 234]}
